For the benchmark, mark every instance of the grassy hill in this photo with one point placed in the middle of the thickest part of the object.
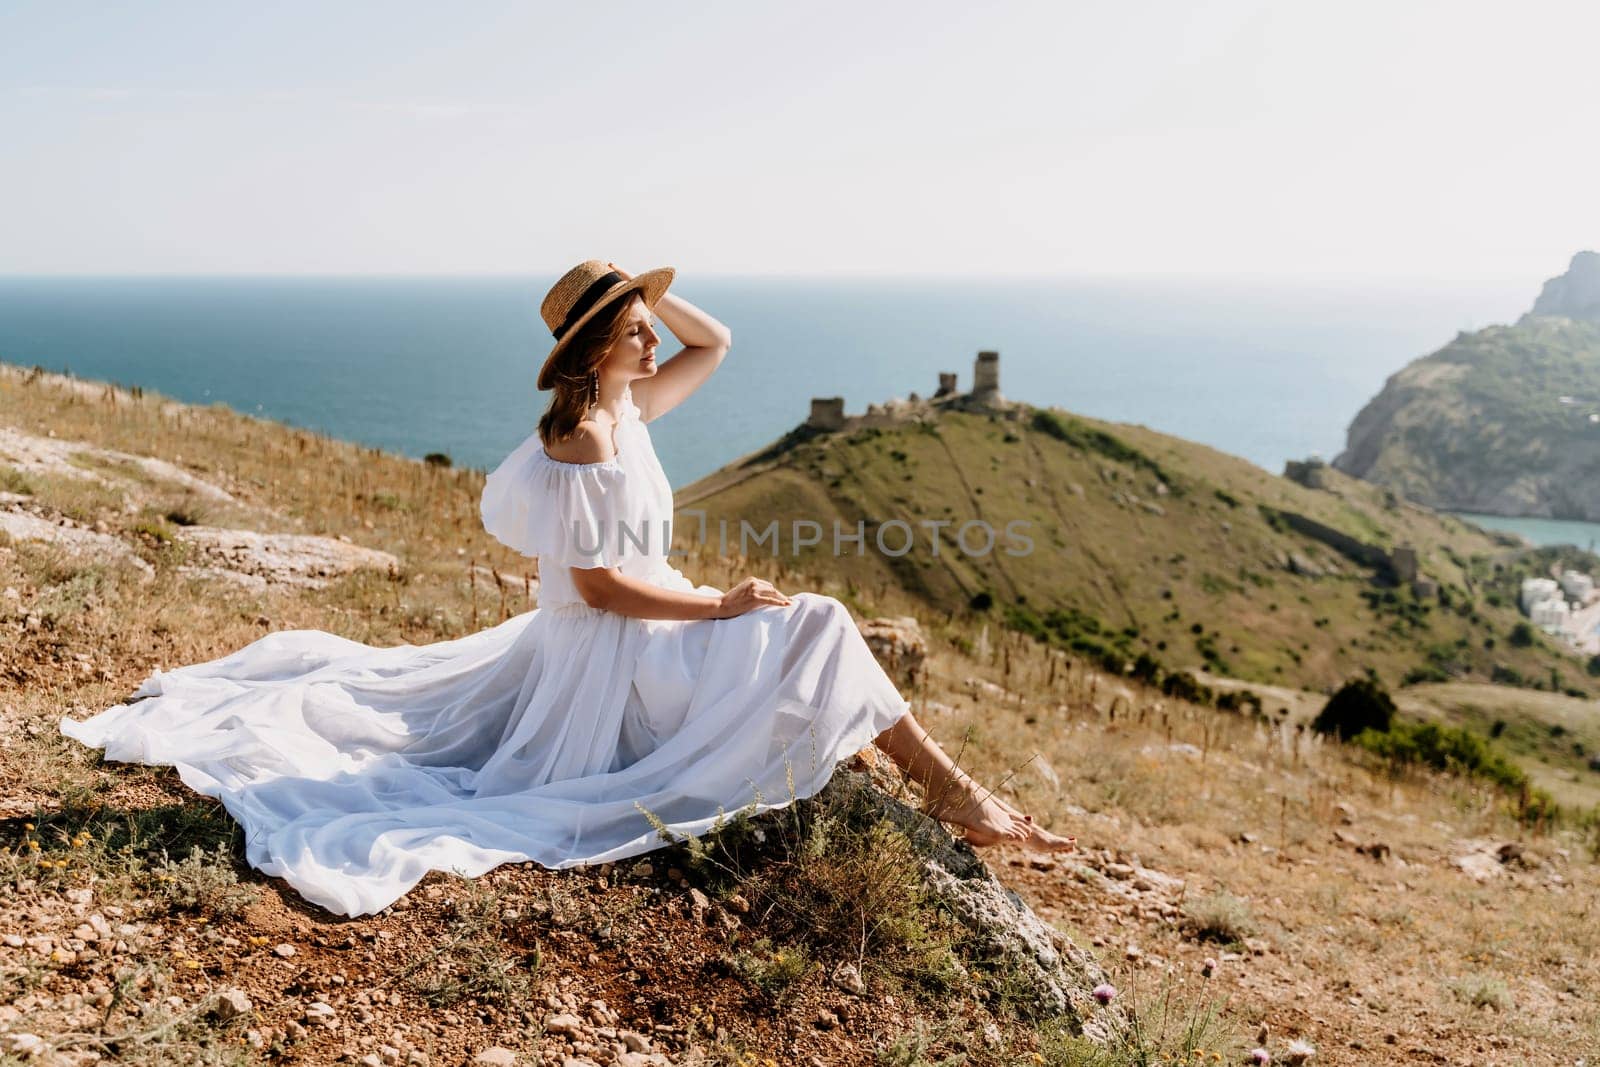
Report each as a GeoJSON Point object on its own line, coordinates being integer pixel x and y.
{"type": "Point", "coordinates": [1142, 543]}
{"type": "Point", "coordinates": [1233, 871]}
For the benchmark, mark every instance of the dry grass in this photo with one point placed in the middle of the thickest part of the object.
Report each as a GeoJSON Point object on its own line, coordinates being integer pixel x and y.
{"type": "Point", "coordinates": [1402, 955]}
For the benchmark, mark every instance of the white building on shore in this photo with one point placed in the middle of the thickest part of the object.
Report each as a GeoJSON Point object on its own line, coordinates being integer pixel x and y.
{"type": "Point", "coordinates": [1551, 614]}
{"type": "Point", "coordinates": [1535, 590]}
{"type": "Point", "coordinates": [1545, 602]}
{"type": "Point", "coordinates": [1577, 585]}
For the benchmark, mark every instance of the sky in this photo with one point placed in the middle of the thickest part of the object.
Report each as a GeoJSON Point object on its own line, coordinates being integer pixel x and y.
{"type": "Point", "coordinates": [1244, 139]}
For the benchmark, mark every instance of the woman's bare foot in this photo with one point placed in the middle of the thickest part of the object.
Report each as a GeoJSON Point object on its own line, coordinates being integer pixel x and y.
{"type": "Point", "coordinates": [984, 818]}
{"type": "Point", "coordinates": [1040, 838]}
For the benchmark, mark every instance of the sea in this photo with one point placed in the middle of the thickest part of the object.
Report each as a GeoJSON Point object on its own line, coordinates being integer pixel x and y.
{"type": "Point", "coordinates": [1265, 370]}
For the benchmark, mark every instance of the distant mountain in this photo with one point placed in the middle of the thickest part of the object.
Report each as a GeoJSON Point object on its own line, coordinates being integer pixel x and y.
{"type": "Point", "coordinates": [1504, 421]}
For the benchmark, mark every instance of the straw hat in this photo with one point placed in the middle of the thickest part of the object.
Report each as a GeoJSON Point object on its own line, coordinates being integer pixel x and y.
{"type": "Point", "coordinates": [579, 296]}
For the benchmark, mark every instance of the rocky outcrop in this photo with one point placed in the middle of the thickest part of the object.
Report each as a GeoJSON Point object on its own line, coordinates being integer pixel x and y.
{"type": "Point", "coordinates": [32, 454]}
{"type": "Point", "coordinates": [22, 520]}
{"type": "Point", "coordinates": [1575, 294]}
{"type": "Point", "coordinates": [1005, 930]}
{"type": "Point", "coordinates": [257, 559]}
{"type": "Point", "coordinates": [899, 647]}
{"type": "Point", "coordinates": [1504, 421]}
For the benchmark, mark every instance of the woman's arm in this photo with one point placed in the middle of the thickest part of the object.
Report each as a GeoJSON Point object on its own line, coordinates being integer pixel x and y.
{"type": "Point", "coordinates": [610, 590]}
{"type": "Point", "coordinates": [705, 341]}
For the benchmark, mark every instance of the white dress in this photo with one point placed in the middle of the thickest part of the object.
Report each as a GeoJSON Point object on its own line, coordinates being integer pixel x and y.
{"type": "Point", "coordinates": [355, 770]}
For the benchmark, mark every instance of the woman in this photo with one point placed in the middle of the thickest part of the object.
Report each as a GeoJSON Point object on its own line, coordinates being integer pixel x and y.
{"type": "Point", "coordinates": [630, 701]}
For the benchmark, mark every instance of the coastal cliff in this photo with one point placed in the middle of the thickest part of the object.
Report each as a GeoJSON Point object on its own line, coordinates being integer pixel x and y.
{"type": "Point", "coordinates": [1503, 421]}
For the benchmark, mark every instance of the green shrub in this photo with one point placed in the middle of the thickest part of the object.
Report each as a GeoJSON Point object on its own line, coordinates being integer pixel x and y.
{"type": "Point", "coordinates": [1082, 436]}
{"type": "Point", "coordinates": [1361, 704]}
{"type": "Point", "coordinates": [205, 882]}
{"type": "Point", "coordinates": [1220, 917]}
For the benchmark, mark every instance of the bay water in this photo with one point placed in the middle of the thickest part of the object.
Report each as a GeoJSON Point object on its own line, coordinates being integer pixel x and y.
{"type": "Point", "coordinates": [1265, 370]}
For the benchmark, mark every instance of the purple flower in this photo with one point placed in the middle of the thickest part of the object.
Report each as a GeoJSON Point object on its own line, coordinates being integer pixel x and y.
{"type": "Point", "coordinates": [1105, 993]}
{"type": "Point", "coordinates": [1208, 968]}
{"type": "Point", "coordinates": [1260, 1056]}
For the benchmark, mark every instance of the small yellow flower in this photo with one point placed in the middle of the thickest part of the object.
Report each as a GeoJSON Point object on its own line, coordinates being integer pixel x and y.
{"type": "Point", "coordinates": [27, 826]}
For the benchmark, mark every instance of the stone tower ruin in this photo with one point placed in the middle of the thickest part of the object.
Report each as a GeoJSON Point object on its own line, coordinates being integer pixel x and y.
{"type": "Point", "coordinates": [827, 413]}
{"type": "Point", "coordinates": [986, 378]}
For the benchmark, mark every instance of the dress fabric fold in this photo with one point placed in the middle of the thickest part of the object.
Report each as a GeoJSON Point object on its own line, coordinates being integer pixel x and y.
{"type": "Point", "coordinates": [556, 736]}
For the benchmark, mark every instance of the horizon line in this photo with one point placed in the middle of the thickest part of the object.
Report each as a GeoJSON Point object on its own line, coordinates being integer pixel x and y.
{"type": "Point", "coordinates": [840, 275]}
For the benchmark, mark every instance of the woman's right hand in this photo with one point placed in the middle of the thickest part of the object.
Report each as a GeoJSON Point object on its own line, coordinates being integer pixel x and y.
{"type": "Point", "coordinates": [748, 595]}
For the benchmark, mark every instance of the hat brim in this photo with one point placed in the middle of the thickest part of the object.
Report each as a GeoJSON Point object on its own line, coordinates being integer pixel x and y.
{"type": "Point", "coordinates": [651, 285]}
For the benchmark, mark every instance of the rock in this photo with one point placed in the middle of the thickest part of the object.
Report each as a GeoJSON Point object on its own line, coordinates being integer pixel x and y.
{"type": "Point", "coordinates": [320, 1011]}
{"type": "Point", "coordinates": [255, 559]}
{"type": "Point", "coordinates": [1300, 564]}
{"type": "Point", "coordinates": [230, 1004]}
{"type": "Point", "coordinates": [899, 647]}
{"type": "Point", "coordinates": [564, 1023]}
{"type": "Point", "coordinates": [496, 1057]}
{"type": "Point", "coordinates": [1043, 768]}
{"type": "Point", "coordinates": [634, 1041]}
{"type": "Point", "coordinates": [25, 1046]}
{"type": "Point", "coordinates": [1058, 974]}
{"type": "Point", "coordinates": [848, 978]}
{"type": "Point", "coordinates": [698, 903]}
{"type": "Point", "coordinates": [826, 1020]}
{"type": "Point", "coordinates": [1479, 866]}
{"type": "Point", "coordinates": [284, 950]}
{"type": "Point", "coordinates": [71, 538]}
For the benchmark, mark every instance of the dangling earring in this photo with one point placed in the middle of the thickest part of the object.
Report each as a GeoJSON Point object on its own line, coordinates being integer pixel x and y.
{"type": "Point", "coordinates": [594, 388]}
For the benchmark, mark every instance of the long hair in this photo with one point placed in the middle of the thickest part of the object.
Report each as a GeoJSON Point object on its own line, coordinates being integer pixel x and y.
{"type": "Point", "coordinates": [572, 396]}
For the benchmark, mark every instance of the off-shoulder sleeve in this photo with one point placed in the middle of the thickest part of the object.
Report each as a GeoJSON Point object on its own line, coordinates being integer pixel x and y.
{"type": "Point", "coordinates": [564, 513]}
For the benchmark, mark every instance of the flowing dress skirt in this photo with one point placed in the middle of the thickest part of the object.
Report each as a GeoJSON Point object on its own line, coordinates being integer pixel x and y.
{"type": "Point", "coordinates": [355, 770]}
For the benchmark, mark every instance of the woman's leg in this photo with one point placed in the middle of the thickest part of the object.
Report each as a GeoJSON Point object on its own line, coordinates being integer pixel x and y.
{"type": "Point", "coordinates": [953, 796]}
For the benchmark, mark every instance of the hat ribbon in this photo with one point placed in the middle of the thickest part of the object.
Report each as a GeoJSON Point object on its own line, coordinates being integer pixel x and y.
{"type": "Point", "coordinates": [580, 307]}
